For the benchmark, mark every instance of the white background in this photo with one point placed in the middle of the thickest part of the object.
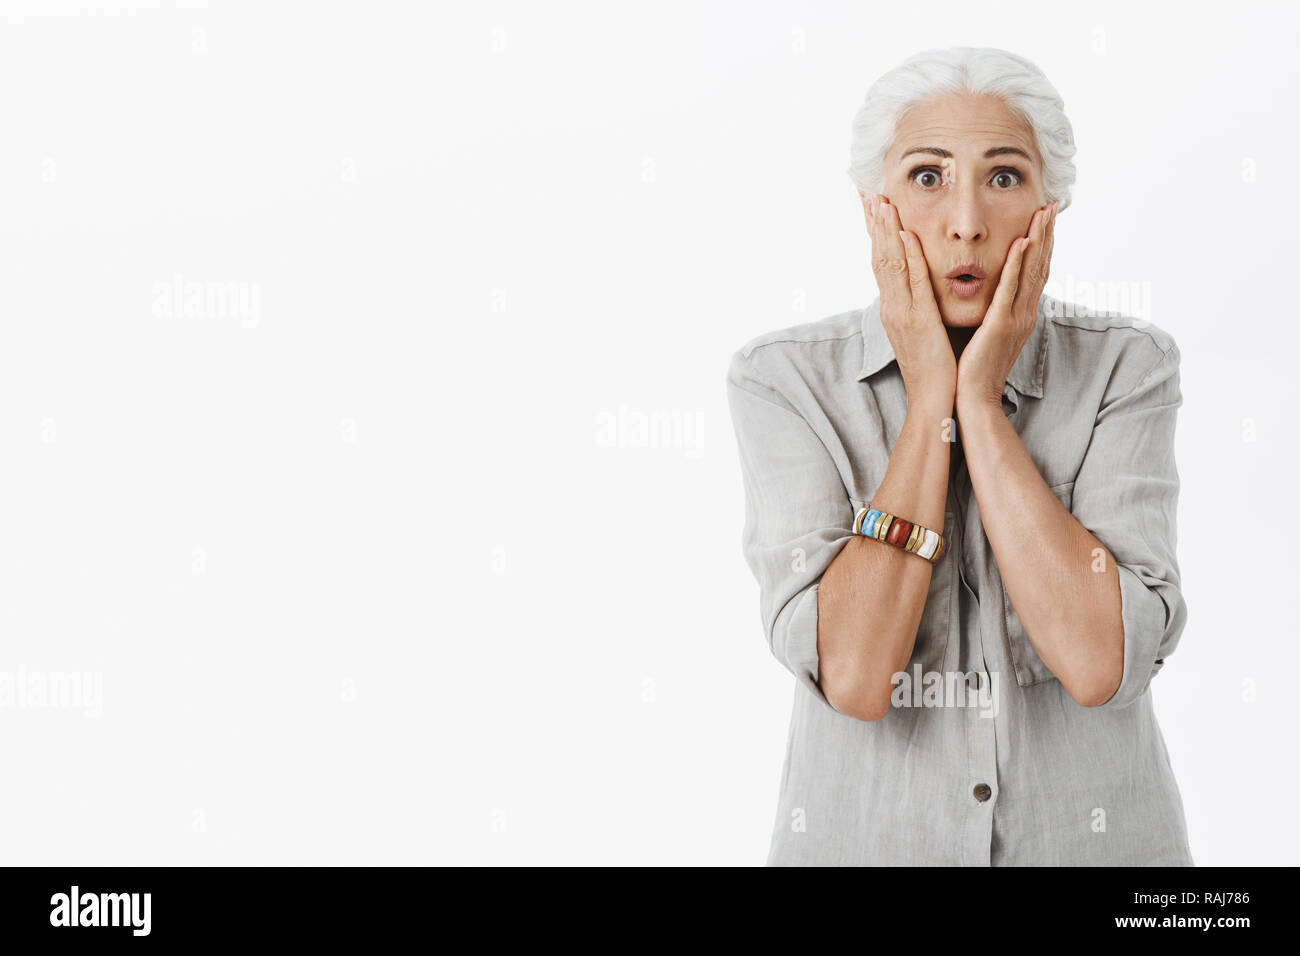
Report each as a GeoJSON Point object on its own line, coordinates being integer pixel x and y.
{"type": "Point", "coordinates": [380, 566]}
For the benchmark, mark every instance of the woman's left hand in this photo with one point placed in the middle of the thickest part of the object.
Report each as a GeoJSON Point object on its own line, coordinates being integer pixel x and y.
{"type": "Point", "coordinates": [989, 356]}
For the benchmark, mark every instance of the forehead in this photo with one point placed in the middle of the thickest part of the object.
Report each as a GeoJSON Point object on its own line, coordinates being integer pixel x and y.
{"type": "Point", "coordinates": [964, 125]}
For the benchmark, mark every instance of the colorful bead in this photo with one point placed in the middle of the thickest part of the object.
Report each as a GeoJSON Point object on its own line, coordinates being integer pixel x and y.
{"type": "Point", "coordinates": [899, 532]}
{"type": "Point", "coordinates": [931, 543]}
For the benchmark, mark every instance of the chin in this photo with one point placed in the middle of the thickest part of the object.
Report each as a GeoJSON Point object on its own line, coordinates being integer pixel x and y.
{"type": "Point", "coordinates": [962, 313]}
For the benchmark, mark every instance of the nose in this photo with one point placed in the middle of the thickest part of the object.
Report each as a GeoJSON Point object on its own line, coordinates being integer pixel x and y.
{"type": "Point", "coordinates": [966, 215]}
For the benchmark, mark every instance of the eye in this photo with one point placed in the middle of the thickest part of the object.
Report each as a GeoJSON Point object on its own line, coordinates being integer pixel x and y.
{"type": "Point", "coordinates": [1015, 173]}
{"type": "Point", "coordinates": [934, 174]}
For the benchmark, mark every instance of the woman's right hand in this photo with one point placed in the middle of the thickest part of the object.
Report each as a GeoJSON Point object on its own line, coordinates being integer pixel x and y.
{"type": "Point", "coordinates": [908, 310]}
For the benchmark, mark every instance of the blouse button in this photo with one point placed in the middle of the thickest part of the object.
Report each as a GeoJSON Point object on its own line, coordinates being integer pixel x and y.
{"type": "Point", "coordinates": [982, 792]}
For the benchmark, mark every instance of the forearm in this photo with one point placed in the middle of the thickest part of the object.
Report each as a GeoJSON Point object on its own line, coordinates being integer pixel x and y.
{"type": "Point", "coordinates": [872, 596]}
{"type": "Point", "coordinates": [1063, 582]}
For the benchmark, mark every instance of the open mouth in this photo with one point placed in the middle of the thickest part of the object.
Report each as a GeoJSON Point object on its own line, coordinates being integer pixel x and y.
{"type": "Point", "coordinates": [965, 284]}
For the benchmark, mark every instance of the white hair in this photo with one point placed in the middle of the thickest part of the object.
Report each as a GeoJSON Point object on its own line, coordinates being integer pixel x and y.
{"type": "Point", "coordinates": [973, 70]}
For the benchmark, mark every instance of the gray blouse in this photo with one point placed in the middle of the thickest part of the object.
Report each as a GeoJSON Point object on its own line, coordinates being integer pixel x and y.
{"type": "Point", "coordinates": [984, 759]}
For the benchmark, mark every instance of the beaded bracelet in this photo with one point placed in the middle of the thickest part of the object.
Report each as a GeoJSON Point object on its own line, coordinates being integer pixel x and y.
{"type": "Point", "coordinates": [892, 529]}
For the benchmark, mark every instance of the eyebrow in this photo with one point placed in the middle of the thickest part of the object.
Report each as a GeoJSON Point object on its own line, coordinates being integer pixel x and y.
{"type": "Point", "coordinates": [989, 154]}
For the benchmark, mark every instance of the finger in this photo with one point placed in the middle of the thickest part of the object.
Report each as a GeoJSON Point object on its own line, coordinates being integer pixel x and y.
{"type": "Point", "coordinates": [891, 225]}
{"type": "Point", "coordinates": [1029, 281]}
{"type": "Point", "coordinates": [890, 259]}
{"type": "Point", "coordinates": [918, 273]}
{"type": "Point", "coordinates": [1043, 254]}
{"type": "Point", "coordinates": [1009, 281]}
{"type": "Point", "coordinates": [866, 209]}
{"type": "Point", "coordinates": [1051, 242]}
{"type": "Point", "coordinates": [895, 254]}
{"type": "Point", "coordinates": [869, 211]}
{"type": "Point", "coordinates": [1043, 234]}
{"type": "Point", "coordinates": [869, 208]}
{"type": "Point", "coordinates": [877, 241]}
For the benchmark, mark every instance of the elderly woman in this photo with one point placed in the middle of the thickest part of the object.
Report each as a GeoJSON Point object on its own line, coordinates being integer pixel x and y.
{"type": "Point", "coordinates": [961, 511]}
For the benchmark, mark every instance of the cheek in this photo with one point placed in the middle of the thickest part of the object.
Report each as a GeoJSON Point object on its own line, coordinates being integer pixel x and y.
{"type": "Point", "coordinates": [923, 225]}
{"type": "Point", "coordinates": [1015, 226]}
{"type": "Point", "coordinates": [917, 214]}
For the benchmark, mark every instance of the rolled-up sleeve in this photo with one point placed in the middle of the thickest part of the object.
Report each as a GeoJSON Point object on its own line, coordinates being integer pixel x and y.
{"type": "Point", "coordinates": [1126, 494]}
{"type": "Point", "coordinates": [797, 515]}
